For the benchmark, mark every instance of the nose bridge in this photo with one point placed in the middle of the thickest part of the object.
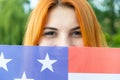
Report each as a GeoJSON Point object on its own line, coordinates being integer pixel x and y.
{"type": "Point", "coordinates": [63, 40]}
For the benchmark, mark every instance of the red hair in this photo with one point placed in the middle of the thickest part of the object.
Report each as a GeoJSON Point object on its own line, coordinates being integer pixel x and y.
{"type": "Point", "coordinates": [91, 30]}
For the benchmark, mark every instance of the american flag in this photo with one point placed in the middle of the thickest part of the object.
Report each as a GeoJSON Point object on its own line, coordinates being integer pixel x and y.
{"type": "Point", "coordinates": [59, 63]}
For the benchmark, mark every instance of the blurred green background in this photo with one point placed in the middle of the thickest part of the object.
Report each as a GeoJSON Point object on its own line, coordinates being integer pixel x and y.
{"type": "Point", "coordinates": [14, 15]}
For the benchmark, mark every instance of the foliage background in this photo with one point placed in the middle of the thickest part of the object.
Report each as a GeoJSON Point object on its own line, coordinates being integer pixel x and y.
{"type": "Point", "coordinates": [14, 15]}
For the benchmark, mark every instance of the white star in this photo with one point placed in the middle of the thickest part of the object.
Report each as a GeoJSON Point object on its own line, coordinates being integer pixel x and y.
{"type": "Point", "coordinates": [24, 77]}
{"type": "Point", "coordinates": [47, 63]}
{"type": "Point", "coordinates": [3, 62]}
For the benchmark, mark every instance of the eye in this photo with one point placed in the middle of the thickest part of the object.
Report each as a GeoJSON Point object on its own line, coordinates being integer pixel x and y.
{"type": "Point", "coordinates": [50, 34]}
{"type": "Point", "coordinates": [76, 34]}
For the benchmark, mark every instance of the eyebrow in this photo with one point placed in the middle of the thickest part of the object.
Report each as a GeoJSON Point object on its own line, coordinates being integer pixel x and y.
{"type": "Point", "coordinates": [56, 29]}
{"type": "Point", "coordinates": [78, 27]}
{"type": "Point", "coordinates": [50, 28]}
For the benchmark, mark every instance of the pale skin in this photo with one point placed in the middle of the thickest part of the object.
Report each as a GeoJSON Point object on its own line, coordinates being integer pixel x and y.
{"type": "Point", "coordinates": [62, 28]}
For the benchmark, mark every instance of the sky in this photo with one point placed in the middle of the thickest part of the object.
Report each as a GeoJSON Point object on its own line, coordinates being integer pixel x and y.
{"type": "Point", "coordinates": [98, 4]}
{"type": "Point", "coordinates": [33, 3]}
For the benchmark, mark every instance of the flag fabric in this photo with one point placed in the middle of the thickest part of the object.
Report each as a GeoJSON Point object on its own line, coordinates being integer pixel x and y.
{"type": "Point", "coordinates": [59, 63]}
{"type": "Point", "coordinates": [94, 63]}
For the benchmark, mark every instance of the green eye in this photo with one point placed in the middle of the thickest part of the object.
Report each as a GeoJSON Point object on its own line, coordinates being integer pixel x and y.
{"type": "Point", "coordinates": [50, 34]}
{"type": "Point", "coordinates": [76, 34]}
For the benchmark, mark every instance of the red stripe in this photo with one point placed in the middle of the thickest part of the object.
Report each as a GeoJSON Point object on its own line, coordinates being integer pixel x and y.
{"type": "Point", "coordinates": [94, 60]}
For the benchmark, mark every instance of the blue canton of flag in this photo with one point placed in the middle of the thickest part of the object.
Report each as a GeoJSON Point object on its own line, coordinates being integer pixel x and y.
{"type": "Point", "coordinates": [33, 63]}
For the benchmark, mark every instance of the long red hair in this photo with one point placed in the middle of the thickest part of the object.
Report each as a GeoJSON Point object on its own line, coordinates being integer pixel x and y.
{"type": "Point", "coordinates": [91, 30]}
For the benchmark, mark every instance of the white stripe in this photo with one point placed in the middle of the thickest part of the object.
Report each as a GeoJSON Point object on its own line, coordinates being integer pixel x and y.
{"type": "Point", "coordinates": [90, 76]}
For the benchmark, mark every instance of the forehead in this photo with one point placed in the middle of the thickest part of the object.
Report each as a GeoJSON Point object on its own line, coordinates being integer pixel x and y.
{"type": "Point", "coordinates": [62, 17]}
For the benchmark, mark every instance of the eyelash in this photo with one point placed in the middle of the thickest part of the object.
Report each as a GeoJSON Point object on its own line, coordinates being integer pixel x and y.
{"type": "Point", "coordinates": [76, 34]}
{"type": "Point", "coordinates": [52, 34]}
